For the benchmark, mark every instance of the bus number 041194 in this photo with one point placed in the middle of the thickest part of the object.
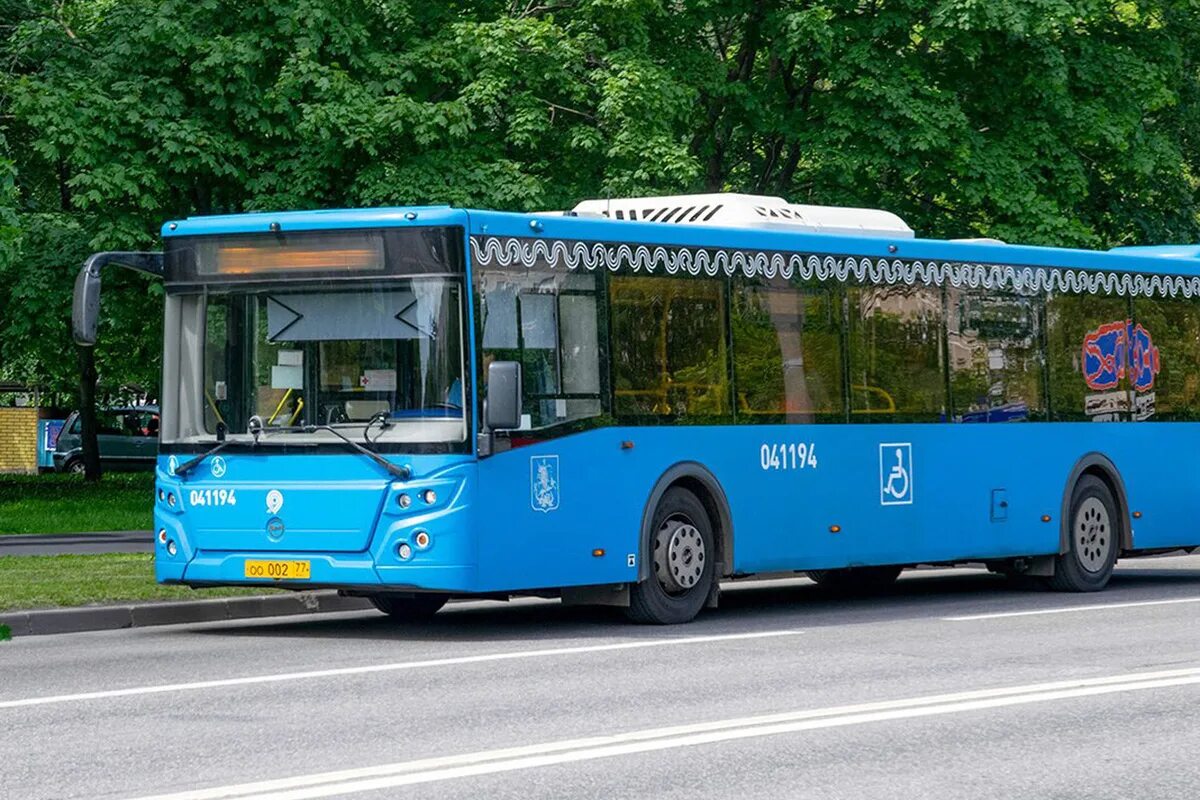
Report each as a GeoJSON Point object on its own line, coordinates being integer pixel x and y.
{"type": "Point", "coordinates": [788, 456]}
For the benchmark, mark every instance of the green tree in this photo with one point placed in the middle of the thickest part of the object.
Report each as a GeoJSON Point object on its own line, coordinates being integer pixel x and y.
{"type": "Point", "coordinates": [1069, 122]}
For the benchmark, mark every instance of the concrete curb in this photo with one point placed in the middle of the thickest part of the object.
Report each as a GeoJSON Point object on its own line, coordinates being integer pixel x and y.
{"type": "Point", "coordinates": [139, 615]}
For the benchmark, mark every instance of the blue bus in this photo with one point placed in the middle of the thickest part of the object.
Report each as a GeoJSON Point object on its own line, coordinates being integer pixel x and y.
{"type": "Point", "coordinates": [626, 403]}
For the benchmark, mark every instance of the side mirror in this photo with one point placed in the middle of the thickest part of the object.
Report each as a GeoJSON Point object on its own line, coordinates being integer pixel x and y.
{"type": "Point", "coordinates": [85, 307]}
{"type": "Point", "coordinates": [503, 409]}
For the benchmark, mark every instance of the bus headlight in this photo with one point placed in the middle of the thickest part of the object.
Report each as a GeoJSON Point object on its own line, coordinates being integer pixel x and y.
{"type": "Point", "coordinates": [404, 551]}
{"type": "Point", "coordinates": [429, 496]}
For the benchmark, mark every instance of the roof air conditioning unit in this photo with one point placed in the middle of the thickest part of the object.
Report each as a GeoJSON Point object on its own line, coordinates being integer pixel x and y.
{"type": "Point", "coordinates": [729, 210]}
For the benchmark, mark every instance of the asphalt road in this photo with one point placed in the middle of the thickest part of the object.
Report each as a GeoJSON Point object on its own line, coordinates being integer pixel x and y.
{"type": "Point", "coordinates": [947, 687]}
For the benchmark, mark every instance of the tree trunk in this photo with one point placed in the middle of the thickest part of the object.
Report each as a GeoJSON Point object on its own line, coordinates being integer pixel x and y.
{"type": "Point", "coordinates": [87, 413]}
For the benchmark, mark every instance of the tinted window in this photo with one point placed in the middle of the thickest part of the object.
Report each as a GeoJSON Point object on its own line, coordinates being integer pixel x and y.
{"type": "Point", "coordinates": [142, 423]}
{"type": "Point", "coordinates": [994, 342]}
{"type": "Point", "coordinates": [1164, 358]}
{"type": "Point", "coordinates": [1085, 353]}
{"type": "Point", "coordinates": [895, 354]}
{"type": "Point", "coordinates": [115, 423]}
{"type": "Point", "coordinates": [787, 352]}
{"type": "Point", "coordinates": [669, 356]}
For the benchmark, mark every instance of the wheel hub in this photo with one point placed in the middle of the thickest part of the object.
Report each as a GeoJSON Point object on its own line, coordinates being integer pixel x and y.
{"type": "Point", "coordinates": [678, 555]}
{"type": "Point", "coordinates": [1091, 531]}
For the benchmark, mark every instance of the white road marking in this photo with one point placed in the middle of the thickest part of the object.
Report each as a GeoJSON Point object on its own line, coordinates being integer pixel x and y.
{"type": "Point", "coordinates": [1070, 609]}
{"type": "Point", "coordinates": [393, 667]}
{"type": "Point", "coordinates": [430, 770]}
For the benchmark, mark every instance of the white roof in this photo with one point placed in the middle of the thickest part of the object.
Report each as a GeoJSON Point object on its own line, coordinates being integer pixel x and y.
{"type": "Point", "coordinates": [730, 210]}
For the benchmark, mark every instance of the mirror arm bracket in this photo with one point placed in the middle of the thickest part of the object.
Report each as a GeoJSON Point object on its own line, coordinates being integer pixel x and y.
{"type": "Point", "coordinates": [85, 309]}
{"type": "Point", "coordinates": [148, 261]}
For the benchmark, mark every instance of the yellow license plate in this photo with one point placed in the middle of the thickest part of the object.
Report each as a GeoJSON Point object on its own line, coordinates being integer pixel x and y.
{"type": "Point", "coordinates": [279, 570]}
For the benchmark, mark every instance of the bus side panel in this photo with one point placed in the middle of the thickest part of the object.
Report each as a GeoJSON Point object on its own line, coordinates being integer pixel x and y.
{"type": "Point", "coordinates": [544, 509]}
{"type": "Point", "coordinates": [1162, 482]}
{"type": "Point", "coordinates": [880, 494]}
{"type": "Point", "coordinates": [978, 491]}
{"type": "Point", "coordinates": [817, 496]}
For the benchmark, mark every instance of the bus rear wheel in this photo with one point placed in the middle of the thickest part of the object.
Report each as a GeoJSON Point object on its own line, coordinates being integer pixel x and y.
{"type": "Point", "coordinates": [409, 608]}
{"type": "Point", "coordinates": [855, 578]}
{"type": "Point", "coordinates": [1093, 539]}
{"type": "Point", "coordinates": [682, 562]}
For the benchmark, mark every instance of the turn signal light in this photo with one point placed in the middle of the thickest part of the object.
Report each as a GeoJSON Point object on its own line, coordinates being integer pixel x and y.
{"type": "Point", "coordinates": [1045, 517]}
{"type": "Point", "coordinates": [835, 528]}
{"type": "Point", "coordinates": [1137, 515]}
{"type": "Point", "coordinates": [597, 553]}
{"type": "Point", "coordinates": [162, 535]}
{"type": "Point", "coordinates": [422, 539]}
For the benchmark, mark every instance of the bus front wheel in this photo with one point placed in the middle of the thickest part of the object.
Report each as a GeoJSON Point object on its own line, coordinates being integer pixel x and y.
{"type": "Point", "coordinates": [1093, 539]}
{"type": "Point", "coordinates": [409, 608]}
{"type": "Point", "coordinates": [682, 562]}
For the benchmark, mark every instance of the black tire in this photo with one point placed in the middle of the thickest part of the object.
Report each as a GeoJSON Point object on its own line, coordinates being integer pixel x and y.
{"type": "Point", "coordinates": [681, 573]}
{"type": "Point", "coordinates": [409, 608]}
{"type": "Point", "coordinates": [1093, 539]}
{"type": "Point", "coordinates": [74, 466]}
{"type": "Point", "coordinates": [856, 579]}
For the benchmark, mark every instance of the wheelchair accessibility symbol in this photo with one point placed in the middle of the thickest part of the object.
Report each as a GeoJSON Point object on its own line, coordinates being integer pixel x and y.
{"type": "Point", "coordinates": [895, 474]}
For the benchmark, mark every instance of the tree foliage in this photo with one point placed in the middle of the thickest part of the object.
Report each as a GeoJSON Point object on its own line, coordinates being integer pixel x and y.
{"type": "Point", "coordinates": [1069, 122]}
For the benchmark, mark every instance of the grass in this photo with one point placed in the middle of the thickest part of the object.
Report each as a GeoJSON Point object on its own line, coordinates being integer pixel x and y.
{"type": "Point", "coordinates": [77, 580]}
{"type": "Point", "coordinates": [55, 503]}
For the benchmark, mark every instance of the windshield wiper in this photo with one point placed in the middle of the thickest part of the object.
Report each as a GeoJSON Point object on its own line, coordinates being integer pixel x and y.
{"type": "Point", "coordinates": [257, 429]}
{"type": "Point", "coordinates": [186, 466]}
{"type": "Point", "coordinates": [403, 473]}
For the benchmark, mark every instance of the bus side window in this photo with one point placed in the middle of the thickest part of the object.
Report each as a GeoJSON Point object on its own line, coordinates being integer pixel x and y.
{"type": "Point", "coordinates": [669, 355]}
{"type": "Point", "coordinates": [787, 352]}
{"type": "Point", "coordinates": [994, 341]}
{"type": "Point", "coordinates": [1168, 384]}
{"type": "Point", "coordinates": [1072, 322]}
{"type": "Point", "coordinates": [895, 354]}
{"type": "Point", "coordinates": [549, 323]}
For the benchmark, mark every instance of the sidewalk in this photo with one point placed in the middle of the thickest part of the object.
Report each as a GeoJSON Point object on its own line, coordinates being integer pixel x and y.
{"type": "Point", "coordinates": [54, 544]}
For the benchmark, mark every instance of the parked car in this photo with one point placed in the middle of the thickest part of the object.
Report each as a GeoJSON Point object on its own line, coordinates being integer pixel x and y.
{"type": "Point", "coordinates": [128, 439]}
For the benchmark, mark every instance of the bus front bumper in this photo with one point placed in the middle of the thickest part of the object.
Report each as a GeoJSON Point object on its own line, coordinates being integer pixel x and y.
{"type": "Point", "coordinates": [341, 571]}
{"type": "Point", "coordinates": [422, 544]}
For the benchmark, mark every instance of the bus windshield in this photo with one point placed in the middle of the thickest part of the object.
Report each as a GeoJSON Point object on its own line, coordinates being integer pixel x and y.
{"type": "Point", "coordinates": [386, 355]}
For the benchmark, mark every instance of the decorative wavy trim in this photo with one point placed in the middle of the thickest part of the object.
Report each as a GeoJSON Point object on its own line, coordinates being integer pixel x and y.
{"type": "Point", "coordinates": [508, 251]}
